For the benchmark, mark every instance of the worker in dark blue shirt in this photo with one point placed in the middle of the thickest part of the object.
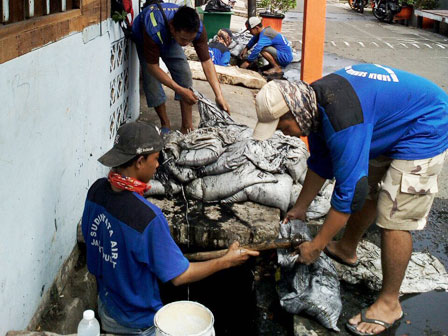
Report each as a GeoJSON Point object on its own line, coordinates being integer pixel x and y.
{"type": "Point", "coordinates": [128, 241]}
{"type": "Point", "coordinates": [382, 134]}
{"type": "Point", "coordinates": [268, 43]}
{"type": "Point", "coordinates": [219, 48]}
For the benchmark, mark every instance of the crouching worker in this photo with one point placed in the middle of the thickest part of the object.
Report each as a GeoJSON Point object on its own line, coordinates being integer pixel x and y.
{"type": "Point", "coordinates": [268, 43]}
{"type": "Point", "coordinates": [219, 49]}
{"type": "Point", "coordinates": [129, 246]}
{"type": "Point", "coordinates": [382, 133]}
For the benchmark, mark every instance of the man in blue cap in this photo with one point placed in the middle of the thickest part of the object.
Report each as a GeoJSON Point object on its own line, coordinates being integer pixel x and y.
{"type": "Point", "coordinates": [128, 241]}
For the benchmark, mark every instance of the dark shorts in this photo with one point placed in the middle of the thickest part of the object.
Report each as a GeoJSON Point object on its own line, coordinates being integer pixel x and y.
{"type": "Point", "coordinates": [177, 64]}
{"type": "Point", "coordinates": [271, 50]}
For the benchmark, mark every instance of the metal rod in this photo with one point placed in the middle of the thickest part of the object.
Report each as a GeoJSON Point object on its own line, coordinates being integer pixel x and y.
{"type": "Point", "coordinates": [47, 5]}
{"type": "Point", "coordinates": [5, 7]}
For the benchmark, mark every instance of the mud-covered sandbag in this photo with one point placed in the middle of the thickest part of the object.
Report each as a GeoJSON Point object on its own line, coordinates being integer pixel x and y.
{"type": "Point", "coordinates": [267, 155]}
{"type": "Point", "coordinates": [199, 157]}
{"type": "Point", "coordinates": [424, 273]}
{"type": "Point", "coordinates": [296, 163]}
{"type": "Point", "coordinates": [183, 174]}
{"type": "Point", "coordinates": [312, 289]}
{"type": "Point", "coordinates": [327, 189]}
{"type": "Point", "coordinates": [212, 116]}
{"type": "Point", "coordinates": [318, 208]}
{"type": "Point", "coordinates": [158, 189]}
{"type": "Point", "coordinates": [231, 159]}
{"type": "Point", "coordinates": [275, 195]}
{"type": "Point", "coordinates": [200, 147]}
{"type": "Point", "coordinates": [171, 144]}
{"type": "Point", "coordinates": [218, 187]}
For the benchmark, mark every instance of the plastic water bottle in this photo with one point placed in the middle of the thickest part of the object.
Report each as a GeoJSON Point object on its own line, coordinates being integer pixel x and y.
{"type": "Point", "coordinates": [89, 325]}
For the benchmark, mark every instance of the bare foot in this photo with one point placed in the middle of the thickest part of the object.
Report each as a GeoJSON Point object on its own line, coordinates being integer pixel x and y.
{"type": "Point", "coordinates": [346, 255]}
{"type": "Point", "coordinates": [273, 71]}
{"type": "Point", "coordinates": [186, 130]}
{"type": "Point", "coordinates": [377, 311]}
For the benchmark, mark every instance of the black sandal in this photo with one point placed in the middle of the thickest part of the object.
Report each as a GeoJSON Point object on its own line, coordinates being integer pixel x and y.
{"type": "Point", "coordinates": [354, 330]}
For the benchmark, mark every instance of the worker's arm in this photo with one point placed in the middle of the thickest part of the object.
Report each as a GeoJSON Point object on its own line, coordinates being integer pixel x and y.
{"type": "Point", "coordinates": [151, 52]}
{"type": "Point", "coordinates": [246, 49]}
{"type": "Point", "coordinates": [334, 222]}
{"type": "Point", "coordinates": [212, 78]}
{"type": "Point", "coordinates": [186, 94]}
{"type": "Point", "coordinates": [263, 42]}
{"type": "Point", "coordinates": [311, 186]}
{"type": "Point", "coordinates": [200, 270]}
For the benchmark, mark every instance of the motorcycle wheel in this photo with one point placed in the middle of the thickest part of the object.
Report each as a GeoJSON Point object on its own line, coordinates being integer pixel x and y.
{"type": "Point", "coordinates": [389, 17]}
{"type": "Point", "coordinates": [380, 12]}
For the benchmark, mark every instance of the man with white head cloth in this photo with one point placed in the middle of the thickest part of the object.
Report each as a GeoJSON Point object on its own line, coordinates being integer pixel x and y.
{"type": "Point", "coordinates": [382, 133]}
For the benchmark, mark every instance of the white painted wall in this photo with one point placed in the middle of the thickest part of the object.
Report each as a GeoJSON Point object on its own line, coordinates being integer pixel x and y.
{"type": "Point", "coordinates": [55, 110]}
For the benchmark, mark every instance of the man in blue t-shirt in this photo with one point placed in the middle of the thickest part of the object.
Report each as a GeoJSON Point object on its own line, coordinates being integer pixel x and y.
{"type": "Point", "coordinates": [268, 43]}
{"type": "Point", "coordinates": [382, 133]}
{"type": "Point", "coordinates": [219, 48]}
{"type": "Point", "coordinates": [159, 32]}
{"type": "Point", "coordinates": [129, 246]}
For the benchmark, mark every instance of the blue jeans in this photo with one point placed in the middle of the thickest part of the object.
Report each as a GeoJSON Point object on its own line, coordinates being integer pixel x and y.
{"type": "Point", "coordinates": [109, 325]}
{"type": "Point", "coordinates": [176, 62]}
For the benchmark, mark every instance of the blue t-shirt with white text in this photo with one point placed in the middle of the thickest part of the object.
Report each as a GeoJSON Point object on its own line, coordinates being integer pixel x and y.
{"type": "Point", "coordinates": [369, 110]}
{"type": "Point", "coordinates": [129, 248]}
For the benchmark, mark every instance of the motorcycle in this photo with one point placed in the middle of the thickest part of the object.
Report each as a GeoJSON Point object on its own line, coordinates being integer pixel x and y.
{"type": "Point", "coordinates": [358, 5]}
{"type": "Point", "coordinates": [385, 10]}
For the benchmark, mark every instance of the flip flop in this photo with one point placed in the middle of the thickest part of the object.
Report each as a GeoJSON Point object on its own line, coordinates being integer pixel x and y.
{"type": "Point", "coordinates": [354, 330]}
{"type": "Point", "coordinates": [165, 130]}
{"type": "Point", "coordinates": [276, 75]}
{"type": "Point", "coordinates": [339, 260]}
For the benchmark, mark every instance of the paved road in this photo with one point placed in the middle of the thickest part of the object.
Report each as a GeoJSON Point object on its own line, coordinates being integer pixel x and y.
{"type": "Point", "coordinates": [351, 37]}
{"type": "Point", "coordinates": [363, 38]}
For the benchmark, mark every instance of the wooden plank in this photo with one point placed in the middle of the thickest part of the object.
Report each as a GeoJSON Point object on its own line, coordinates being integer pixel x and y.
{"type": "Point", "coordinates": [22, 37]}
{"type": "Point", "coordinates": [16, 10]}
{"type": "Point", "coordinates": [36, 23]}
{"type": "Point", "coordinates": [69, 4]}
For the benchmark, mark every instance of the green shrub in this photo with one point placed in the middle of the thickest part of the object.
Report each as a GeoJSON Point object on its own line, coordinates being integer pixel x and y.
{"type": "Point", "coordinates": [275, 6]}
{"type": "Point", "coordinates": [426, 4]}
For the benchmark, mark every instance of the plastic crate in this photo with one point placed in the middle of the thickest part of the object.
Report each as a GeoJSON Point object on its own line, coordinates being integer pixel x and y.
{"type": "Point", "coordinates": [214, 21]}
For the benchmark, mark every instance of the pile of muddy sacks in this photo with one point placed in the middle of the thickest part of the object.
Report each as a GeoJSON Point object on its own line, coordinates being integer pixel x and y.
{"type": "Point", "coordinates": [221, 162]}
{"type": "Point", "coordinates": [312, 289]}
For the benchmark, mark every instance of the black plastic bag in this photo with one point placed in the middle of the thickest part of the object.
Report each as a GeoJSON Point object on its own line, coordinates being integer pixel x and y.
{"type": "Point", "coordinates": [217, 6]}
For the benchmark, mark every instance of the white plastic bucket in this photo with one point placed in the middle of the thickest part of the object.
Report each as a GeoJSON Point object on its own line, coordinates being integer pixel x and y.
{"type": "Point", "coordinates": [184, 318]}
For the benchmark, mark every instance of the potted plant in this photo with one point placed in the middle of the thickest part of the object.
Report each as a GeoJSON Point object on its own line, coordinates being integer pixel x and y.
{"type": "Point", "coordinates": [407, 7]}
{"type": "Point", "coordinates": [275, 12]}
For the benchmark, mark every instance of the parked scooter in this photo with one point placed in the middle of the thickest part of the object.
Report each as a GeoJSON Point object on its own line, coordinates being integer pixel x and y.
{"type": "Point", "coordinates": [385, 10]}
{"type": "Point", "coordinates": [358, 5]}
